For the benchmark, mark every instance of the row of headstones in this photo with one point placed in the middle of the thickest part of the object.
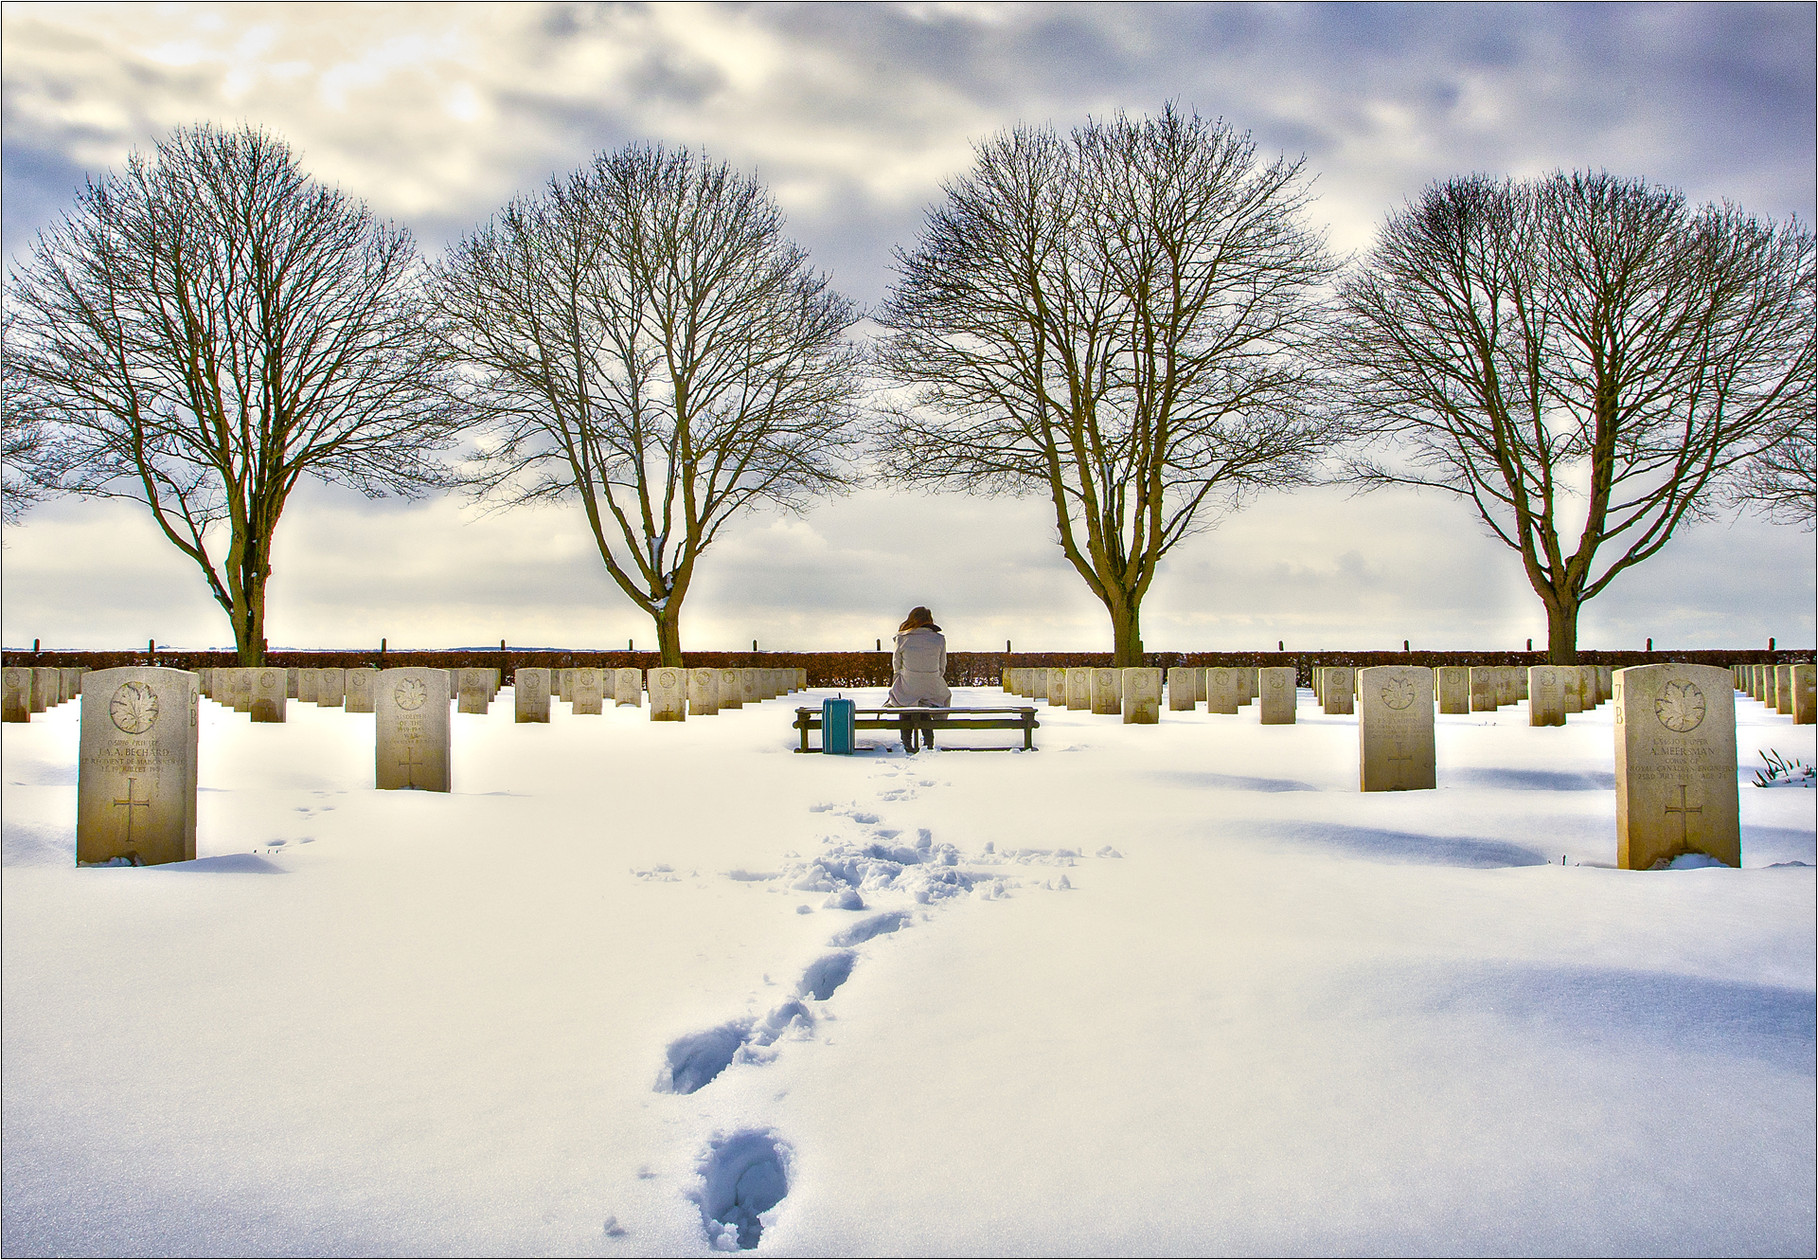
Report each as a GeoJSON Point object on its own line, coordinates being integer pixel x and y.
{"type": "Point", "coordinates": [1782, 688]}
{"type": "Point", "coordinates": [29, 689]}
{"type": "Point", "coordinates": [1675, 735]}
{"type": "Point", "coordinates": [262, 693]}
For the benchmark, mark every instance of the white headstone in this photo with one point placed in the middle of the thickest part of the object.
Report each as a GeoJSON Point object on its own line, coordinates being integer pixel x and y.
{"type": "Point", "coordinates": [359, 689]}
{"type": "Point", "coordinates": [307, 681]}
{"type": "Point", "coordinates": [16, 700]}
{"type": "Point", "coordinates": [1079, 687]}
{"type": "Point", "coordinates": [668, 693]}
{"type": "Point", "coordinates": [1453, 683]}
{"type": "Point", "coordinates": [1276, 694]}
{"type": "Point", "coordinates": [136, 774]}
{"type": "Point", "coordinates": [1675, 766]}
{"type": "Point", "coordinates": [1055, 689]}
{"type": "Point", "coordinates": [270, 692]}
{"type": "Point", "coordinates": [530, 694]}
{"type": "Point", "coordinates": [1248, 683]}
{"type": "Point", "coordinates": [1486, 689]}
{"type": "Point", "coordinates": [1142, 695]}
{"type": "Point", "coordinates": [44, 688]}
{"type": "Point", "coordinates": [1339, 683]}
{"type": "Point", "coordinates": [411, 720]}
{"type": "Point", "coordinates": [1223, 686]}
{"type": "Point", "coordinates": [732, 689]}
{"type": "Point", "coordinates": [1802, 695]}
{"type": "Point", "coordinates": [1395, 728]}
{"type": "Point", "coordinates": [1107, 690]}
{"type": "Point", "coordinates": [628, 687]}
{"type": "Point", "coordinates": [1182, 691]}
{"type": "Point", "coordinates": [703, 692]}
{"type": "Point", "coordinates": [586, 690]}
{"type": "Point", "coordinates": [473, 690]}
{"type": "Point", "coordinates": [331, 687]}
{"type": "Point", "coordinates": [1546, 695]}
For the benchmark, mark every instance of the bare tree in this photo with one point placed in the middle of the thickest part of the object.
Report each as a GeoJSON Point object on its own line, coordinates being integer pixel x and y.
{"type": "Point", "coordinates": [212, 325]}
{"type": "Point", "coordinates": [1115, 319]}
{"type": "Point", "coordinates": [27, 460]}
{"type": "Point", "coordinates": [1576, 354]}
{"type": "Point", "coordinates": [649, 343]}
{"type": "Point", "coordinates": [1782, 481]}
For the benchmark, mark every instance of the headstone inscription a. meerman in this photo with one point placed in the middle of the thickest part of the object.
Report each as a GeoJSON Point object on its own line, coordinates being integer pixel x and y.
{"type": "Point", "coordinates": [16, 698]}
{"type": "Point", "coordinates": [360, 684]}
{"type": "Point", "coordinates": [530, 691]}
{"type": "Point", "coordinates": [1142, 695]}
{"type": "Point", "coordinates": [412, 742]}
{"type": "Point", "coordinates": [704, 692]}
{"type": "Point", "coordinates": [1222, 688]}
{"type": "Point", "coordinates": [1675, 765]}
{"type": "Point", "coordinates": [269, 694]}
{"type": "Point", "coordinates": [1395, 728]}
{"type": "Point", "coordinates": [136, 775]}
{"type": "Point", "coordinates": [668, 694]}
{"type": "Point", "coordinates": [1276, 694]}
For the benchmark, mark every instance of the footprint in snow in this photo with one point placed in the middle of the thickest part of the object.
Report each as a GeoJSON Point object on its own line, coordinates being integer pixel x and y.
{"type": "Point", "coordinates": [742, 1176]}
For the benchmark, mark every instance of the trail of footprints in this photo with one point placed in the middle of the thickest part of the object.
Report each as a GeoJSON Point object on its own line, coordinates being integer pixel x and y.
{"type": "Point", "coordinates": [745, 1173]}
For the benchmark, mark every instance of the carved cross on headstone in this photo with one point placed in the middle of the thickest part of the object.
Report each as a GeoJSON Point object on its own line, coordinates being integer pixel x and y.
{"type": "Point", "coordinates": [410, 764]}
{"type": "Point", "coordinates": [132, 804]}
{"type": "Point", "coordinates": [1682, 809]}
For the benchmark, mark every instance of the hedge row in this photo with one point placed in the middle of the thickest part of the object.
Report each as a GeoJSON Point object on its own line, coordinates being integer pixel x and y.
{"type": "Point", "coordinates": [872, 669]}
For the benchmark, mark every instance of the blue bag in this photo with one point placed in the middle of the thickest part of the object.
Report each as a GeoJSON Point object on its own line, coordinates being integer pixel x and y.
{"type": "Point", "coordinates": [837, 726]}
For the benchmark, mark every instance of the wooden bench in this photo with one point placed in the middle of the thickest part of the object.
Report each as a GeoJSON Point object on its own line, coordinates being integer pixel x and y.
{"type": "Point", "coordinates": [1001, 719]}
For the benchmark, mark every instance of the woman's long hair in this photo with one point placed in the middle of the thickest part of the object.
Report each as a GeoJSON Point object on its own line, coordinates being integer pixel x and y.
{"type": "Point", "coordinates": [918, 619]}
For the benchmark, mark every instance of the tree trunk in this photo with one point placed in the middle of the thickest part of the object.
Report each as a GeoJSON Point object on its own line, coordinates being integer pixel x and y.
{"type": "Point", "coordinates": [1126, 631]}
{"type": "Point", "coordinates": [669, 633]}
{"type": "Point", "coordinates": [1562, 631]}
{"type": "Point", "coordinates": [249, 618]}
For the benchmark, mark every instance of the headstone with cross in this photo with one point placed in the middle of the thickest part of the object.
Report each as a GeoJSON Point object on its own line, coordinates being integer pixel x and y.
{"type": "Point", "coordinates": [1395, 728]}
{"type": "Point", "coordinates": [411, 744]}
{"type": "Point", "coordinates": [668, 693]}
{"type": "Point", "coordinates": [1546, 696]}
{"type": "Point", "coordinates": [46, 683]}
{"type": "Point", "coordinates": [628, 687]}
{"type": "Point", "coordinates": [136, 773]}
{"type": "Point", "coordinates": [1107, 690]}
{"type": "Point", "coordinates": [1276, 695]}
{"type": "Point", "coordinates": [530, 692]}
{"type": "Point", "coordinates": [1224, 687]}
{"type": "Point", "coordinates": [16, 698]}
{"type": "Point", "coordinates": [1485, 687]}
{"type": "Point", "coordinates": [269, 694]}
{"type": "Point", "coordinates": [331, 687]}
{"type": "Point", "coordinates": [1675, 765]}
{"type": "Point", "coordinates": [473, 690]}
{"type": "Point", "coordinates": [308, 680]}
{"type": "Point", "coordinates": [1141, 695]}
{"type": "Point", "coordinates": [359, 689]}
{"type": "Point", "coordinates": [1339, 685]}
{"type": "Point", "coordinates": [1453, 682]}
{"type": "Point", "coordinates": [1783, 689]}
{"type": "Point", "coordinates": [586, 690]}
{"type": "Point", "coordinates": [1054, 688]}
{"type": "Point", "coordinates": [703, 692]}
{"type": "Point", "coordinates": [732, 688]}
{"type": "Point", "coordinates": [1802, 695]}
{"type": "Point", "coordinates": [1183, 692]}
{"type": "Point", "coordinates": [1247, 684]}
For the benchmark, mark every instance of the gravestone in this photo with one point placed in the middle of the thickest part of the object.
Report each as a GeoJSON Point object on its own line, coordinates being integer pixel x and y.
{"type": "Point", "coordinates": [1107, 690]}
{"type": "Point", "coordinates": [1546, 696]}
{"type": "Point", "coordinates": [1483, 689]}
{"type": "Point", "coordinates": [473, 690]}
{"type": "Point", "coordinates": [628, 687]}
{"type": "Point", "coordinates": [1802, 694]}
{"type": "Point", "coordinates": [586, 691]}
{"type": "Point", "coordinates": [411, 718]}
{"type": "Point", "coordinates": [1276, 694]}
{"type": "Point", "coordinates": [306, 685]}
{"type": "Point", "coordinates": [290, 683]}
{"type": "Point", "coordinates": [1055, 688]}
{"type": "Point", "coordinates": [1181, 690]}
{"type": "Point", "coordinates": [530, 694]}
{"type": "Point", "coordinates": [270, 692]}
{"type": "Point", "coordinates": [801, 680]}
{"type": "Point", "coordinates": [136, 776]}
{"type": "Point", "coordinates": [1222, 688]}
{"type": "Point", "coordinates": [1340, 683]}
{"type": "Point", "coordinates": [71, 676]}
{"type": "Point", "coordinates": [1199, 685]}
{"type": "Point", "coordinates": [1079, 687]}
{"type": "Point", "coordinates": [45, 686]}
{"type": "Point", "coordinates": [1783, 689]}
{"type": "Point", "coordinates": [703, 692]}
{"type": "Point", "coordinates": [732, 689]}
{"type": "Point", "coordinates": [1571, 689]}
{"type": "Point", "coordinates": [1247, 684]}
{"type": "Point", "coordinates": [751, 685]}
{"type": "Point", "coordinates": [241, 680]}
{"type": "Point", "coordinates": [1675, 766]}
{"type": "Point", "coordinates": [1141, 688]}
{"type": "Point", "coordinates": [16, 696]}
{"type": "Point", "coordinates": [331, 687]}
{"type": "Point", "coordinates": [359, 689]}
{"type": "Point", "coordinates": [668, 693]}
{"type": "Point", "coordinates": [1395, 728]}
{"type": "Point", "coordinates": [1453, 682]}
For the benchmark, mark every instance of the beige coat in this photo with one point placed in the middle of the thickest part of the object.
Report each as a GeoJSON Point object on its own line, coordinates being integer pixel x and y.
{"type": "Point", "coordinates": [919, 666]}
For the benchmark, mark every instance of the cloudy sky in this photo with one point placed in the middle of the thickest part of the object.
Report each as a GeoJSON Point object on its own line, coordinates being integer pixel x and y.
{"type": "Point", "coordinates": [854, 115]}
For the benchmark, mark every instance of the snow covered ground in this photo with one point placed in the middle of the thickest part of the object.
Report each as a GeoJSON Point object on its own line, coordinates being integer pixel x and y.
{"type": "Point", "coordinates": [1173, 989]}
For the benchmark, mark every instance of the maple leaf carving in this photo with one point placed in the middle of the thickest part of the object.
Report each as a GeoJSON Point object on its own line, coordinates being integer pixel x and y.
{"type": "Point", "coordinates": [1680, 707]}
{"type": "Point", "coordinates": [1398, 693]}
{"type": "Point", "coordinates": [134, 708]}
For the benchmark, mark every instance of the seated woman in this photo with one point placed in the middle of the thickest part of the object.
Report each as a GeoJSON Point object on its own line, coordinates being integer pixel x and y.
{"type": "Point", "coordinates": [918, 674]}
